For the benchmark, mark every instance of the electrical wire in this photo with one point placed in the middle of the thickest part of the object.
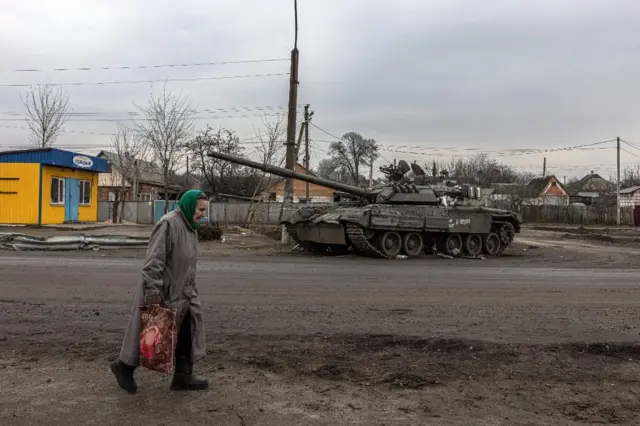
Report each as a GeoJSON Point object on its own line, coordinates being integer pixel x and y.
{"type": "Point", "coordinates": [630, 153]}
{"type": "Point", "coordinates": [138, 113]}
{"type": "Point", "coordinates": [101, 83]}
{"type": "Point", "coordinates": [631, 144]}
{"type": "Point", "coordinates": [117, 120]}
{"type": "Point", "coordinates": [498, 152]}
{"type": "Point", "coordinates": [130, 67]}
{"type": "Point", "coordinates": [65, 131]}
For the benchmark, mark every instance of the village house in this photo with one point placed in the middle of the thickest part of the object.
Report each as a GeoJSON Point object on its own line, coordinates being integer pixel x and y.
{"type": "Point", "coordinates": [630, 197]}
{"type": "Point", "coordinates": [590, 190]}
{"type": "Point", "coordinates": [546, 190]}
{"type": "Point", "coordinates": [146, 182]}
{"type": "Point", "coordinates": [317, 193]}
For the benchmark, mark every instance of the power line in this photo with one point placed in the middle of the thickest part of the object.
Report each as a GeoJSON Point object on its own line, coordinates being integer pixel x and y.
{"type": "Point", "coordinates": [629, 152]}
{"type": "Point", "coordinates": [631, 144]}
{"type": "Point", "coordinates": [101, 83]}
{"type": "Point", "coordinates": [328, 133]}
{"type": "Point", "coordinates": [137, 113]}
{"type": "Point", "coordinates": [65, 131]}
{"type": "Point", "coordinates": [129, 67]}
{"type": "Point", "coordinates": [116, 120]}
{"type": "Point", "coordinates": [498, 152]}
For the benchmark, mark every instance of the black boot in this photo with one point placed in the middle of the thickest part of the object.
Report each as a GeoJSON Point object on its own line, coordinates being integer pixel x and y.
{"type": "Point", "coordinates": [183, 378]}
{"type": "Point", "coordinates": [124, 375]}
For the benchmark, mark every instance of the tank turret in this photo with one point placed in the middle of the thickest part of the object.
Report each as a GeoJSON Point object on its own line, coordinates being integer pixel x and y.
{"type": "Point", "coordinates": [405, 215]}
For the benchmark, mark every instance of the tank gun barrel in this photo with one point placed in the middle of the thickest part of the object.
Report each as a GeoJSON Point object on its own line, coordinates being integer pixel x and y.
{"type": "Point", "coordinates": [279, 171]}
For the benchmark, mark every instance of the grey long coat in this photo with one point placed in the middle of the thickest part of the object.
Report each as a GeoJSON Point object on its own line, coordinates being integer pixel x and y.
{"type": "Point", "coordinates": [169, 270]}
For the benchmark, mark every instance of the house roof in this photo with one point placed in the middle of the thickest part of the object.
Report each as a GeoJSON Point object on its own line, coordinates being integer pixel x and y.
{"type": "Point", "coordinates": [56, 157]}
{"type": "Point", "coordinates": [538, 184]}
{"type": "Point", "coordinates": [149, 173]}
{"type": "Point", "coordinates": [629, 190]}
{"type": "Point", "coordinates": [581, 185]}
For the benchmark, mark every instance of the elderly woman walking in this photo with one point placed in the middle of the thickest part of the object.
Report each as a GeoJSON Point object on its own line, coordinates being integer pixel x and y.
{"type": "Point", "coordinates": [169, 279]}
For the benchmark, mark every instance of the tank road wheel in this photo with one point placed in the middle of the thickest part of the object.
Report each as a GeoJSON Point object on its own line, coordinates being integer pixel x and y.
{"type": "Point", "coordinates": [390, 243]}
{"type": "Point", "coordinates": [492, 244]}
{"type": "Point", "coordinates": [473, 245]}
{"type": "Point", "coordinates": [507, 233]}
{"type": "Point", "coordinates": [412, 244]}
{"type": "Point", "coordinates": [453, 244]}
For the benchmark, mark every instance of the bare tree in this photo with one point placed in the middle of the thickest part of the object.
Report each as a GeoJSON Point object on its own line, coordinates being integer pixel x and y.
{"type": "Point", "coordinates": [129, 151]}
{"type": "Point", "coordinates": [477, 170]}
{"type": "Point", "coordinates": [218, 174]}
{"type": "Point", "coordinates": [166, 126]}
{"type": "Point", "coordinates": [352, 152]}
{"type": "Point", "coordinates": [270, 150]}
{"type": "Point", "coordinates": [46, 114]}
{"type": "Point", "coordinates": [329, 168]}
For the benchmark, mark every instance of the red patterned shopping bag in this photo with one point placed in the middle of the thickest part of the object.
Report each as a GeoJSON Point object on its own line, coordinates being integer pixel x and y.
{"type": "Point", "coordinates": [158, 338]}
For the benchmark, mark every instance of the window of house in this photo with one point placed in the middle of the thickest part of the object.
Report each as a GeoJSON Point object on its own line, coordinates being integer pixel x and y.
{"type": "Point", "coordinates": [85, 192]}
{"type": "Point", "coordinates": [57, 190]}
{"type": "Point", "coordinates": [144, 196]}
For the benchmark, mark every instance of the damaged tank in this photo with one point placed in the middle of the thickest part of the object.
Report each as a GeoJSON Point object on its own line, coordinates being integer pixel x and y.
{"type": "Point", "coordinates": [407, 215]}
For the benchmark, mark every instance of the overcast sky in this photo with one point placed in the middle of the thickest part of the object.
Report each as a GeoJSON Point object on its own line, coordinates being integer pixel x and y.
{"type": "Point", "coordinates": [494, 74]}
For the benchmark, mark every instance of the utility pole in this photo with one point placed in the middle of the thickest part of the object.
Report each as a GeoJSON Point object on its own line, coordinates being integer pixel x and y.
{"type": "Point", "coordinates": [291, 123]}
{"type": "Point", "coordinates": [371, 172]}
{"type": "Point", "coordinates": [307, 120]}
{"type": "Point", "coordinates": [544, 167]}
{"type": "Point", "coordinates": [618, 183]}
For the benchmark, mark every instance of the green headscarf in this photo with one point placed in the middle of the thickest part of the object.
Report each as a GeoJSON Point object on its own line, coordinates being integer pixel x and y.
{"type": "Point", "coordinates": [187, 204]}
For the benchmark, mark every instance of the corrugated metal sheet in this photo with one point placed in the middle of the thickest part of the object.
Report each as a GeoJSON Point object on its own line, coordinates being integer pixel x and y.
{"type": "Point", "coordinates": [56, 157]}
{"type": "Point", "coordinates": [19, 193]}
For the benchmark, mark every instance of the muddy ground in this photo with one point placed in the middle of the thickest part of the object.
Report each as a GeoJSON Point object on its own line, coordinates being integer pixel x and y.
{"type": "Point", "coordinates": [547, 334]}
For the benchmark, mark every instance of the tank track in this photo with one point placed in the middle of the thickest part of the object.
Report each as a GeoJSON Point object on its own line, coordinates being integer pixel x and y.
{"type": "Point", "coordinates": [503, 229]}
{"type": "Point", "coordinates": [360, 243]}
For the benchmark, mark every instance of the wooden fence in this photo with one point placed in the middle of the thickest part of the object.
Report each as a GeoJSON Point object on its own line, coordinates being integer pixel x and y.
{"type": "Point", "coordinates": [574, 215]}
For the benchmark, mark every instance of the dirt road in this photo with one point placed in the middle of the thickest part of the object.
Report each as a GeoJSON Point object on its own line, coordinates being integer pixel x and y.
{"type": "Point", "coordinates": [326, 341]}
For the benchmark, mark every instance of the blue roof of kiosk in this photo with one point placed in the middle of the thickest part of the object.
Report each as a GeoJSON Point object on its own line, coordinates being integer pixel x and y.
{"type": "Point", "coordinates": [56, 157]}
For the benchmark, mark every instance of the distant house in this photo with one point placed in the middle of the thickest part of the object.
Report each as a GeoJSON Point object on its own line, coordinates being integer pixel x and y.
{"type": "Point", "coordinates": [591, 189]}
{"type": "Point", "coordinates": [147, 184]}
{"type": "Point", "coordinates": [503, 195]}
{"type": "Point", "coordinates": [630, 197]}
{"type": "Point", "coordinates": [317, 193]}
{"type": "Point", "coordinates": [546, 190]}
